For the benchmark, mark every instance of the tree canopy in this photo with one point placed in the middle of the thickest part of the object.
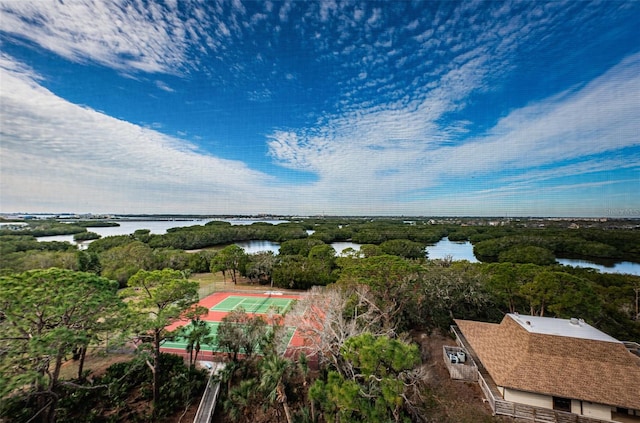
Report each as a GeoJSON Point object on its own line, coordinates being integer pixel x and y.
{"type": "Point", "coordinates": [157, 299]}
{"type": "Point", "coordinates": [371, 388]}
{"type": "Point", "coordinates": [46, 314]}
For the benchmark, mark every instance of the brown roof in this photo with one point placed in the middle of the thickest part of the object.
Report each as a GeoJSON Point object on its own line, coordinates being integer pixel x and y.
{"type": "Point", "coordinates": [583, 369]}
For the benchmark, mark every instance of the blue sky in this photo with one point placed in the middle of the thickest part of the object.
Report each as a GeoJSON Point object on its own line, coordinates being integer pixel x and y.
{"type": "Point", "coordinates": [343, 108]}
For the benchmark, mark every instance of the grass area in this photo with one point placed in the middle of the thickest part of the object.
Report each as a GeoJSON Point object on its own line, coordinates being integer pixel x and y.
{"type": "Point", "coordinates": [215, 282]}
{"type": "Point", "coordinates": [209, 278]}
{"type": "Point", "coordinates": [96, 361]}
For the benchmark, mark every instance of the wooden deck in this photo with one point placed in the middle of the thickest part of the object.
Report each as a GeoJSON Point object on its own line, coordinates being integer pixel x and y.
{"type": "Point", "coordinates": [467, 371]}
{"type": "Point", "coordinates": [542, 415]}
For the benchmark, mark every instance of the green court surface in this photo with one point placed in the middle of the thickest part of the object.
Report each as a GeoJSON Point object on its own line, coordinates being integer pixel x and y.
{"type": "Point", "coordinates": [258, 305]}
{"type": "Point", "coordinates": [181, 343]}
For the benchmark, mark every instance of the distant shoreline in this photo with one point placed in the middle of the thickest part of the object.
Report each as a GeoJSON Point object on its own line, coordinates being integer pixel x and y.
{"type": "Point", "coordinates": [165, 216]}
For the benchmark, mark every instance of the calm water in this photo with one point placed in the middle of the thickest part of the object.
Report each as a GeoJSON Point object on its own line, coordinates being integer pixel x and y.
{"type": "Point", "coordinates": [341, 246]}
{"type": "Point", "coordinates": [620, 267]}
{"type": "Point", "coordinates": [456, 250]}
{"type": "Point", "coordinates": [444, 248]}
{"type": "Point", "coordinates": [252, 247]}
{"type": "Point", "coordinates": [128, 227]}
{"type": "Point", "coordinates": [464, 251]}
{"type": "Point", "coordinates": [158, 227]}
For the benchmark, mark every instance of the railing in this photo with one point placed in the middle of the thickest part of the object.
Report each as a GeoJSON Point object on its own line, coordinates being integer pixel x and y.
{"type": "Point", "coordinates": [633, 347]}
{"type": "Point", "coordinates": [530, 412]}
{"type": "Point", "coordinates": [540, 415]}
{"type": "Point", "coordinates": [467, 371]}
{"type": "Point", "coordinates": [487, 393]}
{"type": "Point", "coordinates": [210, 396]}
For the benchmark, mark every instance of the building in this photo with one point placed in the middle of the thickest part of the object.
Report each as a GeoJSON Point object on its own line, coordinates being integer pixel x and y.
{"type": "Point", "coordinates": [553, 370]}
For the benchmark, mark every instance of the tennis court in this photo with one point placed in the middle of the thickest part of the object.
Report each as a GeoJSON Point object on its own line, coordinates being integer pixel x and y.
{"type": "Point", "coordinates": [250, 304]}
{"type": "Point", "coordinates": [220, 304]}
{"type": "Point", "coordinates": [180, 343]}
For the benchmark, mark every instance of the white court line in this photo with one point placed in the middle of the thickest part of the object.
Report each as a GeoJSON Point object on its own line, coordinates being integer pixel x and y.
{"type": "Point", "coordinates": [251, 303]}
{"type": "Point", "coordinates": [239, 304]}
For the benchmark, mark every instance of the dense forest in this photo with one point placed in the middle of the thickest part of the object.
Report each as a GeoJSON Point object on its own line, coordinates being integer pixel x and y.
{"type": "Point", "coordinates": [378, 295]}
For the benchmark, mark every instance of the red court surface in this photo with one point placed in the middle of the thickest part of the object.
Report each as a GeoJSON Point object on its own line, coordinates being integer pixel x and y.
{"type": "Point", "coordinates": [217, 316]}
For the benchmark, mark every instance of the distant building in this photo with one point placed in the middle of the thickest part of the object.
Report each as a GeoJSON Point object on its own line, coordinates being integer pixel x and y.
{"type": "Point", "coordinates": [553, 370]}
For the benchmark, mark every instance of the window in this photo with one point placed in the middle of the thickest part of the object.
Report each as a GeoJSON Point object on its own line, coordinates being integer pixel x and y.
{"type": "Point", "coordinates": [562, 404]}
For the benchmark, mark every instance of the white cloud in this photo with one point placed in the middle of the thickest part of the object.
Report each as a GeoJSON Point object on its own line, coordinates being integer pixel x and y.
{"type": "Point", "coordinates": [18, 68]}
{"type": "Point", "coordinates": [404, 139]}
{"type": "Point", "coordinates": [260, 96]}
{"type": "Point", "coordinates": [124, 35]}
{"type": "Point", "coordinates": [374, 19]}
{"type": "Point", "coordinates": [327, 9]}
{"type": "Point", "coordinates": [582, 167]}
{"type": "Point", "coordinates": [405, 149]}
{"type": "Point", "coordinates": [61, 155]}
{"type": "Point", "coordinates": [111, 33]}
{"type": "Point", "coordinates": [602, 116]}
{"type": "Point", "coordinates": [284, 11]}
{"type": "Point", "coordinates": [163, 86]}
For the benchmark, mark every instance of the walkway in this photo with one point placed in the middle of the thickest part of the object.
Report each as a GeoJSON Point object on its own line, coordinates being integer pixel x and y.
{"type": "Point", "coordinates": [210, 396]}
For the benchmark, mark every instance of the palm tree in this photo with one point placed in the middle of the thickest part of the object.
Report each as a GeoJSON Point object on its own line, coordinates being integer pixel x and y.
{"type": "Point", "coordinates": [239, 401]}
{"type": "Point", "coordinates": [274, 369]}
{"type": "Point", "coordinates": [226, 374]}
{"type": "Point", "coordinates": [200, 334]}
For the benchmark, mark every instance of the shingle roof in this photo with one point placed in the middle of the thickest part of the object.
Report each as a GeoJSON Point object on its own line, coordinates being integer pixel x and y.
{"type": "Point", "coordinates": [585, 369]}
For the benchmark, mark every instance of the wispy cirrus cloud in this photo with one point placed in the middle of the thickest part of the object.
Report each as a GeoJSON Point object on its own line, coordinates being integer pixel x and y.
{"type": "Point", "coordinates": [129, 36]}
{"type": "Point", "coordinates": [626, 159]}
{"type": "Point", "coordinates": [402, 150]}
{"type": "Point", "coordinates": [599, 117]}
{"type": "Point", "coordinates": [115, 34]}
{"type": "Point", "coordinates": [164, 87]}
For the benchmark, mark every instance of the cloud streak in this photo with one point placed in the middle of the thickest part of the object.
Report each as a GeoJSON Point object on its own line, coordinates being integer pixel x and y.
{"type": "Point", "coordinates": [392, 107]}
{"type": "Point", "coordinates": [401, 149]}
{"type": "Point", "coordinates": [109, 33]}
{"type": "Point", "coordinates": [58, 151]}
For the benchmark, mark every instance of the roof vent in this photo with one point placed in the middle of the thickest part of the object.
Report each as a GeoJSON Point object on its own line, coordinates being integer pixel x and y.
{"type": "Point", "coordinates": [574, 321]}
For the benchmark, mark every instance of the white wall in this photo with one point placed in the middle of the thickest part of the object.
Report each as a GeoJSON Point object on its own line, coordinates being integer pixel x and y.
{"type": "Point", "coordinates": [593, 410]}
{"type": "Point", "coordinates": [575, 407]}
{"type": "Point", "coordinates": [596, 411]}
{"type": "Point", "coordinates": [529, 398]}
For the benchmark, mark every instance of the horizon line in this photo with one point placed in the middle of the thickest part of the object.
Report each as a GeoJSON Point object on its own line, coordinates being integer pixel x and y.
{"type": "Point", "coordinates": [619, 216]}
